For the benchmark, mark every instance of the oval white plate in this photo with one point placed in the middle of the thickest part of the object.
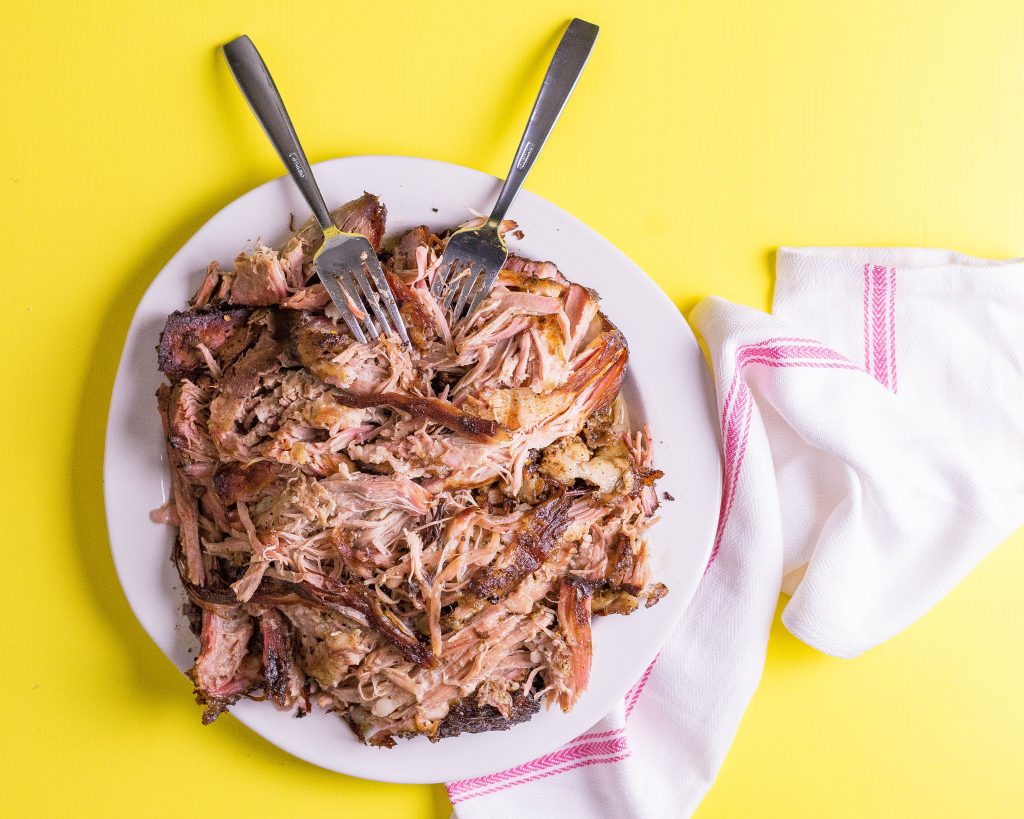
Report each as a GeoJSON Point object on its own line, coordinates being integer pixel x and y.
{"type": "Point", "coordinates": [667, 385]}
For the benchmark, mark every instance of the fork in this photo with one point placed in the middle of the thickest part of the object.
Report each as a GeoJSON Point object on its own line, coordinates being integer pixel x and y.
{"type": "Point", "coordinates": [346, 262]}
{"type": "Point", "coordinates": [473, 257]}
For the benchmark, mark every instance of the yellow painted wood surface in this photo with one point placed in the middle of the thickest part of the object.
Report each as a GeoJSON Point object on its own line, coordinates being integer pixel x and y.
{"type": "Point", "coordinates": [702, 136]}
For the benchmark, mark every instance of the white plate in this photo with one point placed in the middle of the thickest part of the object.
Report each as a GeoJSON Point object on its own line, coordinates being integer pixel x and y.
{"type": "Point", "coordinates": [666, 383]}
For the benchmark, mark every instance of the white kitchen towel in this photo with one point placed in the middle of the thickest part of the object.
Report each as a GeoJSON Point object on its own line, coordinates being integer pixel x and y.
{"type": "Point", "coordinates": [873, 452]}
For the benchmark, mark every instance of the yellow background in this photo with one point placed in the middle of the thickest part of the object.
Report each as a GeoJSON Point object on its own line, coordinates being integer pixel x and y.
{"type": "Point", "coordinates": [702, 136]}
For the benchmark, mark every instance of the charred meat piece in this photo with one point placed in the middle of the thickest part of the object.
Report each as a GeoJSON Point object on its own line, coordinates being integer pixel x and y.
{"type": "Point", "coordinates": [418, 321]}
{"type": "Point", "coordinates": [535, 537]}
{"type": "Point", "coordinates": [434, 409]}
{"type": "Point", "coordinates": [283, 678]}
{"type": "Point", "coordinates": [234, 482]}
{"type": "Point", "coordinates": [473, 718]}
{"type": "Point", "coordinates": [366, 215]}
{"type": "Point", "coordinates": [180, 354]}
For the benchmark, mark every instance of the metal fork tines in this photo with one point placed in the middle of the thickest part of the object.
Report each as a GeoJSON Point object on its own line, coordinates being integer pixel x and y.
{"type": "Point", "coordinates": [342, 264]}
{"type": "Point", "coordinates": [346, 262]}
{"type": "Point", "coordinates": [470, 264]}
{"type": "Point", "coordinates": [474, 256]}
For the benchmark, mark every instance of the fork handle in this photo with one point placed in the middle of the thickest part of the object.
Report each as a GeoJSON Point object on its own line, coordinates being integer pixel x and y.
{"type": "Point", "coordinates": [258, 88]}
{"type": "Point", "coordinates": [566, 66]}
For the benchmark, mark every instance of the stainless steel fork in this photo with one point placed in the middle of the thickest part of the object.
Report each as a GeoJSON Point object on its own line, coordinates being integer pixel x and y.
{"type": "Point", "coordinates": [473, 257]}
{"type": "Point", "coordinates": [346, 262]}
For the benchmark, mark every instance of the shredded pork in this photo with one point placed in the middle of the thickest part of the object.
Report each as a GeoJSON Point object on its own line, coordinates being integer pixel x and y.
{"type": "Point", "coordinates": [416, 538]}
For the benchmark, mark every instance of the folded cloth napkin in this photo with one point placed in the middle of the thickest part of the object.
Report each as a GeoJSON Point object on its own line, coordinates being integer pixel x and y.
{"type": "Point", "coordinates": [873, 451]}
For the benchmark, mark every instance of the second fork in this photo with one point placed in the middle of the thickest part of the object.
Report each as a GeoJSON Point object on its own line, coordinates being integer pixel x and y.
{"type": "Point", "coordinates": [473, 257]}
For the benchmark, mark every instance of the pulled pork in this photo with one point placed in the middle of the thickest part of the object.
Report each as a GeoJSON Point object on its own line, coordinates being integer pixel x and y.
{"type": "Point", "coordinates": [415, 539]}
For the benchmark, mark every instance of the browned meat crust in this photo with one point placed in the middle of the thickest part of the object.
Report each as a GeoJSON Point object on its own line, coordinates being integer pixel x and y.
{"type": "Point", "coordinates": [234, 482]}
{"type": "Point", "coordinates": [334, 597]}
{"type": "Point", "coordinates": [444, 412]}
{"type": "Point", "coordinates": [469, 717]}
{"type": "Point", "coordinates": [536, 535]}
{"type": "Point", "coordinates": [418, 322]}
{"type": "Point", "coordinates": [179, 354]}
{"type": "Point", "coordinates": [366, 215]}
{"type": "Point", "coordinates": [284, 680]}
